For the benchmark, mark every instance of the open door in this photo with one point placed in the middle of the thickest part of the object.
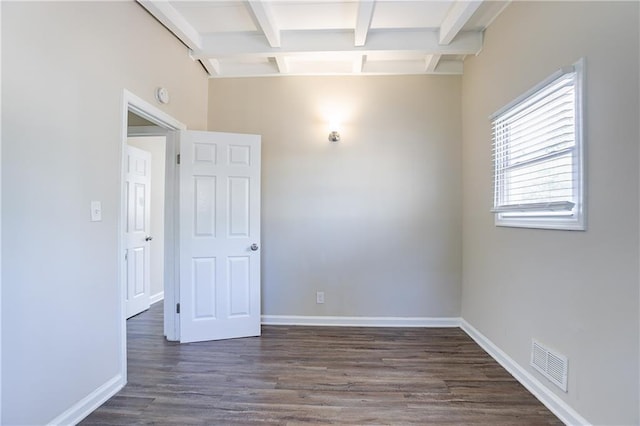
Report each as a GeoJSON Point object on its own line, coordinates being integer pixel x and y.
{"type": "Point", "coordinates": [137, 257]}
{"type": "Point", "coordinates": [219, 236]}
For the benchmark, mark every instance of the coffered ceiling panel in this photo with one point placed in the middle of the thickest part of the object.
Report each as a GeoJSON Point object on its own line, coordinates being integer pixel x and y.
{"type": "Point", "coordinates": [409, 14]}
{"type": "Point", "coordinates": [242, 38]}
{"type": "Point", "coordinates": [216, 17]}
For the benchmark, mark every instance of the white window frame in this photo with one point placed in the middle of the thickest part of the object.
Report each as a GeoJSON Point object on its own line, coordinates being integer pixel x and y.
{"type": "Point", "coordinates": [566, 215]}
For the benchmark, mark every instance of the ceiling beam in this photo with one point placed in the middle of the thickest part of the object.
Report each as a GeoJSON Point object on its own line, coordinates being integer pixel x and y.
{"type": "Point", "coordinates": [249, 70]}
{"type": "Point", "coordinates": [459, 14]}
{"type": "Point", "coordinates": [363, 21]}
{"type": "Point", "coordinates": [431, 62]}
{"type": "Point", "coordinates": [283, 64]}
{"type": "Point", "coordinates": [269, 68]}
{"type": "Point", "coordinates": [262, 70]}
{"type": "Point", "coordinates": [449, 67]}
{"type": "Point", "coordinates": [174, 21]}
{"type": "Point", "coordinates": [264, 16]}
{"type": "Point", "coordinates": [358, 63]}
{"type": "Point", "coordinates": [212, 66]}
{"type": "Point", "coordinates": [394, 67]}
{"type": "Point", "coordinates": [294, 43]}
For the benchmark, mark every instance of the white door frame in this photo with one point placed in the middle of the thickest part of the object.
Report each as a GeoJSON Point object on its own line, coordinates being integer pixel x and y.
{"type": "Point", "coordinates": [168, 127]}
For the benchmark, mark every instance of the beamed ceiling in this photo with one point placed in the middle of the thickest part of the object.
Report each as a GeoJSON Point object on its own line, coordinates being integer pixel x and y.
{"type": "Point", "coordinates": [322, 37]}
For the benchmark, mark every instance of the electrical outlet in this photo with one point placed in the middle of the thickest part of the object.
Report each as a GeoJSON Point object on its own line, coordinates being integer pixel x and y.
{"type": "Point", "coordinates": [320, 297]}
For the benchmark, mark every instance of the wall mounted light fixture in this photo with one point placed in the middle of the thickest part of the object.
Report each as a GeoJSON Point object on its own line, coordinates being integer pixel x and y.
{"type": "Point", "coordinates": [334, 136]}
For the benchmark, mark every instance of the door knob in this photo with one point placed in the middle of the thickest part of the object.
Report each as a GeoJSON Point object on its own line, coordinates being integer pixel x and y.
{"type": "Point", "coordinates": [254, 247]}
{"type": "Point", "coordinates": [148, 238]}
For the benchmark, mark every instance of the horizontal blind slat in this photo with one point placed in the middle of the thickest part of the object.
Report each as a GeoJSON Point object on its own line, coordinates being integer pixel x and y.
{"type": "Point", "coordinates": [519, 135]}
{"type": "Point", "coordinates": [534, 113]}
{"type": "Point", "coordinates": [539, 159]}
{"type": "Point", "coordinates": [562, 81]}
{"type": "Point", "coordinates": [550, 206]}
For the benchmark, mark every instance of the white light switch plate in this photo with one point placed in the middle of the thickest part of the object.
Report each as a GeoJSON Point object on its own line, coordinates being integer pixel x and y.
{"type": "Point", "coordinates": [96, 211]}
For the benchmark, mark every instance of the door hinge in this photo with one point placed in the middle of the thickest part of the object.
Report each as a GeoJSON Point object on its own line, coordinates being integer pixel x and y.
{"type": "Point", "coordinates": [126, 255]}
{"type": "Point", "coordinates": [178, 158]}
{"type": "Point", "coordinates": [177, 308]}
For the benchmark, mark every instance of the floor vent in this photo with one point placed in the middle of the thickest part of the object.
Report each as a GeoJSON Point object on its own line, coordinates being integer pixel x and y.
{"type": "Point", "coordinates": [551, 365]}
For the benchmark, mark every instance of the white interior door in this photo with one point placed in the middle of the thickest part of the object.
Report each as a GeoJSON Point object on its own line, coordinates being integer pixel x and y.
{"type": "Point", "coordinates": [219, 236]}
{"type": "Point", "coordinates": [137, 256]}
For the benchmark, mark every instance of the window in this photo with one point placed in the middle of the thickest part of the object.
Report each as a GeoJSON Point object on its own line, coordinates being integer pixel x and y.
{"type": "Point", "coordinates": [538, 155]}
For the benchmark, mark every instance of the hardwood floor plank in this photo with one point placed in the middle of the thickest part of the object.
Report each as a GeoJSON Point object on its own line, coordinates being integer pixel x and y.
{"type": "Point", "coordinates": [316, 375]}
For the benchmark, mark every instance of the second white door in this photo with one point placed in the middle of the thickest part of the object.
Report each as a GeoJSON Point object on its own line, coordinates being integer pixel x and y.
{"type": "Point", "coordinates": [137, 227]}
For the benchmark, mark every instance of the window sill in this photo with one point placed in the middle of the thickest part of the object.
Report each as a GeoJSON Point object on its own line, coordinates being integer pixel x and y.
{"type": "Point", "coordinates": [556, 224]}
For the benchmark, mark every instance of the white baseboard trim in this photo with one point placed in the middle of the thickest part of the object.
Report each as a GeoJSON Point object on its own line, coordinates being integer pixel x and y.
{"type": "Point", "coordinates": [156, 297]}
{"type": "Point", "coordinates": [360, 321]}
{"type": "Point", "coordinates": [89, 403]}
{"type": "Point", "coordinates": [556, 405]}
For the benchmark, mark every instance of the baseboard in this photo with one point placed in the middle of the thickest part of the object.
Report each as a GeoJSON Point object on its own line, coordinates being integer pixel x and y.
{"type": "Point", "coordinates": [360, 321]}
{"type": "Point", "coordinates": [88, 404]}
{"type": "Point", "coordinates": [556, 405]}
{"type": "Point", "coordinates": [156, 297]}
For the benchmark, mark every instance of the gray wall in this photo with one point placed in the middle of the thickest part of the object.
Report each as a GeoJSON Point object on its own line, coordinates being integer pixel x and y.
{"type": "Point", "coordinates": [374, 220]}
{"type": "Point", "coordinates": [64, 68]}
{"type": "Point", "coordinates": [576, 292]}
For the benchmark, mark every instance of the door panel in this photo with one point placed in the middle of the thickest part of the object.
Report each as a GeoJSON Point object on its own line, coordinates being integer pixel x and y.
{"type": "Point", "coordinates": [219, 223]}
{"type": "Point", "coordinates": [140, 210]}
{"type": "Point", "coordinates": [204, 288]}
{"type": "Point", "coordinates": [205, 208]}
{"type": "Point", "coordinates": [137, 256]}
{"type": "Point", "coordinates": [137, 264]}
{"type": "Point", "coordinates": [239, 285]}
{"type": "Point", "coordinates": [239, 190]}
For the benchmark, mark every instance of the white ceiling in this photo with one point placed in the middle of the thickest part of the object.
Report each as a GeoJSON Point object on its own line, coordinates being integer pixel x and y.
{"type": "Point", "coordinates": [243, 38]}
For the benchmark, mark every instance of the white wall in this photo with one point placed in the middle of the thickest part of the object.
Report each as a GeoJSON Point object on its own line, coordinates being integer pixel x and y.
{"type": "Point", "coordinates": [156, 146]}
{"type": "Point", "coordinates": [65, 66]}
{"type": "Point", "coordinates": [576, 292]}
{"type": "Point", "coordinates": [374, 220]}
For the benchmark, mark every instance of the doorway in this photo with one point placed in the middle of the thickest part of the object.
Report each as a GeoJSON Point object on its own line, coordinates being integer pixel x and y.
{"type": "Point", "coordinates": [149, 125]}
{"type": "Point", "coordinates": [221, 285]}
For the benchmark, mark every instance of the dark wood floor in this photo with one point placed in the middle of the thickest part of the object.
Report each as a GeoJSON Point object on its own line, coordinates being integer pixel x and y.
{"type": "Point", "coordinates": [316, 375]}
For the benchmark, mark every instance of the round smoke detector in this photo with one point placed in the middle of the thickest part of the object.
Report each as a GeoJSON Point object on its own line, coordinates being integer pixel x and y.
{"type": "Point", "coordinates": [162, 95]}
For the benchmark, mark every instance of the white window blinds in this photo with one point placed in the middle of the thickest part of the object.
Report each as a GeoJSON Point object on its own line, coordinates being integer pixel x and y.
{"type": "Point", "coordinates": [536, 152]}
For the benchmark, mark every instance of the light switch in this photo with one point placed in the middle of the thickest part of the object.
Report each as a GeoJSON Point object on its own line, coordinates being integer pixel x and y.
{"type": "Point", "coordinates": [96, 211]}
